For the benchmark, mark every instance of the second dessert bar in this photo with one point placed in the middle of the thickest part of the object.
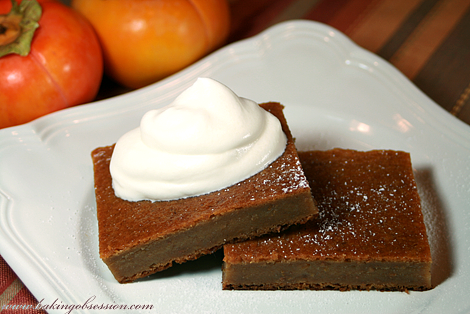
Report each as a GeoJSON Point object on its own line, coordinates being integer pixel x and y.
{"type": "Point", "coordinates": [370, 232]}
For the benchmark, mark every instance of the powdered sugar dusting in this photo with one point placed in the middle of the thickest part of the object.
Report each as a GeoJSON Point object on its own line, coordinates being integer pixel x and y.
{"type": "Point", "coordinates": [367, 210]}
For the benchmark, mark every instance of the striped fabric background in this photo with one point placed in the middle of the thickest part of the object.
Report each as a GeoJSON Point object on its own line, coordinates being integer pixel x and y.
{"type": "Point", "coordinates": [14, 293]}
{"type": "Point", "coordinates": [428, 40]}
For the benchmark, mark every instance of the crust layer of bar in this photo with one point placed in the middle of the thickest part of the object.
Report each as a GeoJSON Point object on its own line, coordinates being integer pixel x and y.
{"type": "Point", "coordinates": [370, 232]}
{"type": "Point", "coordinates": [140, 238]}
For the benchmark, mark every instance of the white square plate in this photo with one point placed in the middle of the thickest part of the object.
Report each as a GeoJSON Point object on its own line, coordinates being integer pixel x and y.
{"type": "Point", "coordinates": [335, 95]}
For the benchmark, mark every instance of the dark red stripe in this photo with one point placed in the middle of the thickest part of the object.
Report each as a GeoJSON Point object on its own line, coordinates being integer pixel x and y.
{"type": "Point", "coordinates": [7, 275]}
{"type": "Point", "coordinates": [325, 10]}
{"type": "Point", "coordinates": [264, 19]}
{"type": "Point", "coordinates": [340, 14]}
{"type": "Point", "coordinates": [350, 15]}
{"type": "Point", "coordinates": [249, 19]}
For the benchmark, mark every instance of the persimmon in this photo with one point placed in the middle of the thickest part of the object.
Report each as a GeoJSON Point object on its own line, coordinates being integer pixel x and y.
{"type": "Point", "coordinates": [50, 59]}
{"type": "Point", "coordinates": [144, 41]}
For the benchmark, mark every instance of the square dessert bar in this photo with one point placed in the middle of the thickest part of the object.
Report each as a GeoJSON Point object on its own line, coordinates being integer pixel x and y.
{"type": "Point", "coordinates": [369, 234]}
{"type": "Point", "coordinates": [137, 239]}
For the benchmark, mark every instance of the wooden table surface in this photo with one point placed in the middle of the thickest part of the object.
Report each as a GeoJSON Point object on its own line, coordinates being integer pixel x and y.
{"type": "Point", "coordinates": [427, 40]}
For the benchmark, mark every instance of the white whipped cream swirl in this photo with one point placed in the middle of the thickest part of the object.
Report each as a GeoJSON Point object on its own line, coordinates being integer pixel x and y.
{"type": "Point", "coordinates": [207, 139]}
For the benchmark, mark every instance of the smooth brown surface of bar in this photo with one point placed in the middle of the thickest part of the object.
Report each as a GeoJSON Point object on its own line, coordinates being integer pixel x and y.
{"type": "Point", "coordinates": [137, 239]}
{"type": "Point", "coordinates": [370, 232]}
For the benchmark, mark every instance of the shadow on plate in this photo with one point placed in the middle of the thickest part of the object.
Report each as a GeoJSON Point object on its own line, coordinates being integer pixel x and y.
{"type": "Point", "coordinates": [199, 266]}
{"type": "Point", "coordinates": [437, 226]}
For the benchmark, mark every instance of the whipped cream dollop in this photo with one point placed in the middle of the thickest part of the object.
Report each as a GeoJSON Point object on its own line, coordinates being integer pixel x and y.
{"type": "Point", "coordinates": [207, 139]}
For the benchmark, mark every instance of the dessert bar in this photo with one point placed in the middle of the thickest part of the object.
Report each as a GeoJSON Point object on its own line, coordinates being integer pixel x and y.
{"type": "Point", "coordinates": [139, 238]}
{"type": "Point", "coordinates": [369, 234]}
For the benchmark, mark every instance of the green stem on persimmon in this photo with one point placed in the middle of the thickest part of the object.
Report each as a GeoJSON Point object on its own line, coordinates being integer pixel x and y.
{"type": "Point", "coordinates": [17, 27]}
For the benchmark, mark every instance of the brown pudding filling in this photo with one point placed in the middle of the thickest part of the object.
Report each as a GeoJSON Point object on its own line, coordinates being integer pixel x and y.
{"type": "Point", "coordinates": [370, 232]}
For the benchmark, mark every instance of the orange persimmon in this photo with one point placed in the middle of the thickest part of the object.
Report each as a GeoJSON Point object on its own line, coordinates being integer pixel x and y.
{"type": "Point", "coordinates": [144, 41]}
{"type": "Point", "coordinates": [50, 59]}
